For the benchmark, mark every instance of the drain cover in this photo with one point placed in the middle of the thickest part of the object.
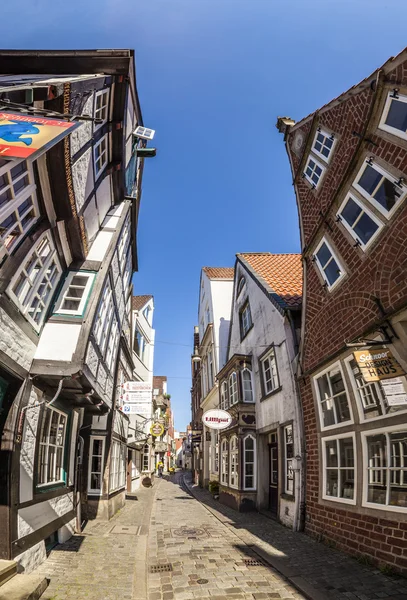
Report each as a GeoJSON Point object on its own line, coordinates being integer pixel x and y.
{"type": "Point", "coordinates": [160, 568]}
{"type": "Point", "coordinates": [202, 581]}
{"type": "Point", "coordinates": [188, 532]}
{"type": "Point", "coordinates": [252, 562]}
{"type": "Point", "coordinates": [130, 530]}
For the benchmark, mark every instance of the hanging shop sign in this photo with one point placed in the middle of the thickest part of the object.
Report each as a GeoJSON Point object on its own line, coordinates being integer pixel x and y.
{"type": "Point", "coordinates": [157, 429]}
{"type": "Point", "coordinates": [377, 364]}
{"type": "Point", "coordinates": [23, 136]}
{"type": "Point", "coordinates": [137, 386]}
{"type": "Point", "coordinates": [395, 391]}
{"type": "Point", "coordinates": [137, 409]}
{"type": "Point", "coordinates": [216, 419]}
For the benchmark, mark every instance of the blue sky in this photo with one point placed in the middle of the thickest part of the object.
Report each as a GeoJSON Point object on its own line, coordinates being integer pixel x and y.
{"type": "Point", "coordinates": [213, 75]}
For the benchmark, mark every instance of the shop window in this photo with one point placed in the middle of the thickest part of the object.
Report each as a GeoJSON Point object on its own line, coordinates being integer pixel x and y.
{"type": "Point", "coordinates": [339, 468]}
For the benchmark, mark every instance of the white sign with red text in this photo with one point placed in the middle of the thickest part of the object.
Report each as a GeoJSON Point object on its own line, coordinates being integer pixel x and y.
{"type": "Point", "coordinates": [216, 419]}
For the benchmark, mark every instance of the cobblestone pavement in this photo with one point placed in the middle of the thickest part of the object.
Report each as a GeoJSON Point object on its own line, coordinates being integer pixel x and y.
{"type": "Point", "coordinates": [206, 557]}
{"type": "Point", "coordinates": [320, 572]}
{"type": "Point", "coordinates": [108, 560]}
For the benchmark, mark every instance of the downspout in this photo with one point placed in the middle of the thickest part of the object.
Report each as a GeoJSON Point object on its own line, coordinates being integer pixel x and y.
{"type": "Point", "coordinates": [299, 517]}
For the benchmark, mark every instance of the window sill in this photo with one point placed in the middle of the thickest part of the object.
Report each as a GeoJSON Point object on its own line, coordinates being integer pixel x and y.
{"type": "Point", "coordinates": [42, 488]}
{"type": "Point", "coordinates": [266, 396]}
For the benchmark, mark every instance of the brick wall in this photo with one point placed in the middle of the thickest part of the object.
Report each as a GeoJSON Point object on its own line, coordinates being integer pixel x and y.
{"type": "Point", "coordinates": [349, 311]}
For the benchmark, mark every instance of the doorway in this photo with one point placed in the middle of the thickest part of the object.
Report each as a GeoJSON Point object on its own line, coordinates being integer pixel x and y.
{"type": "Point", "coordinates": [273, 471]}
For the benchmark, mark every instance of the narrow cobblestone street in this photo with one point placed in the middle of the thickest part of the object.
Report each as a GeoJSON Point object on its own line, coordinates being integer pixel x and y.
{"type": "Point", "coordinates": [167, 544]}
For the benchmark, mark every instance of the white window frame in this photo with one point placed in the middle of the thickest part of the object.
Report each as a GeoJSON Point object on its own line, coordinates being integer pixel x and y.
{"type": "Point", "coordinates": [320, 165]}
{"type": "Point", "coordinates": [99, 170]}
{"type": "Point", "coordinates": [364, 435]}
{"type": "Point", "coordinates": [330, 438]}
{"type": "Point", "coordinates": [315, 377]}
{"type": "Point", "coordinates": [112, 344]}
{"type": "Point", "coordinates": [30, 296]}
{"type": "Point", "coordinates": [63, 294]}
{"type": "Point", "coordinates": [234, 462]}
{"type": "Point", "coordinates": [224, 462]}
{"type": "Point", "coordinates": [326, 134]}
{"type": "Point", "coordinates": [288, 461]}
{"type": "Point", "coordinates": [247, 370]}
{"type": "Point", "coordinates": [13, 205]}
{"type": "Point", "coordinates": [273, 371]}
{"type": "Point", "coordinates": [321, 270]}
{"type": "Point", "coordinates": [382, 125]}
{"type": "Point", "coordinates": [366, 211]}
{"type": "Point", "coordinates": [123, 245]}
{"type": "Point", "coordinates": [144, 133]}
{"type": "Point", "coordinates": [104, 109]}
{"type": "Point", "coordinates": [224, 403]}
{"type": "Point", "coordinates": [233, 389]}
{"type": "Point", "coordinates": [402, 187]}
{"type": "Point", "coordinates": [254, 463]}
{"type": "Point", "coordinates": [246, 321]}
{"type": "Point", "coordinates": [118, 466]}
{"type": "Point", "coordinates": [359, 400]}
{"type": "Point", "coordinates": [94, 491]}
{"type": "Point", "coordinates": [56, 446]}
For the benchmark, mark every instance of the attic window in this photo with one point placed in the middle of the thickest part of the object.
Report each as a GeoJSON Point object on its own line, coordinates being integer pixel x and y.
{"type": "Point", "coordinates": [240, 285]}
{"type": "Point", "coordinates": [144, 133]}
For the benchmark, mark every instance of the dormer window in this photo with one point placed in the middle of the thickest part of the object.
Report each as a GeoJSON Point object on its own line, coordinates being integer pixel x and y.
{"type": "Point", "coordinates": [323, 144]}
{"type": "Point", "coordinates": [394, 117]}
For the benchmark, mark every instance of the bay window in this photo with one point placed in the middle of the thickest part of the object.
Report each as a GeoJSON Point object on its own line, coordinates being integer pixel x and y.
{"type": "Point", "coordinates": [247, 386]}
{"type": "Point", "coordinates": [249, 463]}
{"type": "Point", "coordinates": [233, 391]}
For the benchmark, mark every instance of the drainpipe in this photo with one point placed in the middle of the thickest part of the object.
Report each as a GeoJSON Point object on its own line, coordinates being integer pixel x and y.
{"type": "Point", "coordinates": [299, 517]}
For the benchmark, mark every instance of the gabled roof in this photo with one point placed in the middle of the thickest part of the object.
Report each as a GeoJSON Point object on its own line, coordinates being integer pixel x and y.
{"type": "Point", "coordinates": [219, 272]}
{"type": "Point", "coordinates": [280, 274]}
{"type": "Point", "coordinates": [138, 302]}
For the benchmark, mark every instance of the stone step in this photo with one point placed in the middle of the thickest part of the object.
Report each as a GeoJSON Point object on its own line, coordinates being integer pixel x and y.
{"type": "Point", "coordinates": [8, 568]}
{"type": "Point", "coordinates": [24, 587]}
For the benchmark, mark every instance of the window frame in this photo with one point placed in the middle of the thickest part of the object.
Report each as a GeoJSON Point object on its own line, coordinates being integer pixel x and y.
{"type": "Point", "coordinates": [320, 374]}
{"type": "Point", "coordinates": [83, 301]}
{"type": "Point", "coordinates": [118, 460]}
{"type": "Point", "coordinates": [103, 92]}
{"type": "Point", "coordinates": [389, 177]}
{"type": "Point", "coordinates": [323, 167]}
{"type": "Point", "coordinates": [368, 212]}
{"type": "Point", "coordinates": [382, 123]}
{"type": "Point", "coordinates": [325, 133]}
{"type": "Point", "coordinates": [320, 268]}
{"type": "Point", "coordinates": [235, 389]}
{"type": "Point", "coordinates": [224, 475]}
{"type": "Point", "coordinates": [365, 479]}
{"type": "Point", "coordinates": [39, 279]}
{"type": "Point", "coordinates": [254, 463]}
{"type": "Point", "coordinates": [262, 359]}
{"type": "Point", "coordinates": [243, 371]}
{"type": "Point", "coordinates": [224, 403]}
{"type": "Point", "coordinates": [234, 461]}
{"type": "Point", "coordinates": [99, 170]}
{"type": "Point", "coordinates": [324, 496]}
{"type": "Point", "coordinates": [240, 285]}
{"type": "Point", "coordinates": [63, 467]}
{"type": "Point", "coordinates": [94, 491]}
{"type": "Point", "coordinates": [242, 311]}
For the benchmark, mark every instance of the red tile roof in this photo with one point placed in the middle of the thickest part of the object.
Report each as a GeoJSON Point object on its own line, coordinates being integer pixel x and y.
{"type": "Point", "coordinates": [219, 272]}
{"type": "Point", "coordinates": [139, 301]}
{"type": "Point", "coordinates": [282, 273]}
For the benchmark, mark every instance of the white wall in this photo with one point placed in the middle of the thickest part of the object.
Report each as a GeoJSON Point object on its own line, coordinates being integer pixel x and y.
{"type": "Point", "coordinates": [221, 294]}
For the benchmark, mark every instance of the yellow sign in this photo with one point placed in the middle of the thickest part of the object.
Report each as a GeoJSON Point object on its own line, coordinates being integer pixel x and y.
{"type": "Point", "coordinates": [157, 429]}
{"type": "Point", "coordinates": [378, 364]}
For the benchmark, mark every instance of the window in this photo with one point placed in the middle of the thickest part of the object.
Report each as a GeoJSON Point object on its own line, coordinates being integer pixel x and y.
{"type": "Point", "coordinates": [381, 188]}
{"type": "Point", "coordinates": [117, 466]}
{"type": "Point", "coordinates": [144, 133]}
{"type": "Point", "coordinates": [386, 476]}
{"type": "Point", "coordinates": [240, 285]}
{"type": "Point", "coordinates": [215, 440]}
{"type": "Point", "coordinates": [74, 294]}
{"type": "Point", "coordinates": [225, 463]}
{"type": "Point", "coordinates": [234, 462]}
{"type": "Point", "coordinates": [101, 107]}
{"type": "Point", "coordinates": [210, 370]}
{"type": "Point", "coordinates": [112, 344]}
{"type": "Point", "coordinates": [139, 345]}
{"type": "Point", "coordinates": [134, 473]}
{"type": "Point", "coordinates": [332, 397]}
{"type": "Point", "coordinates": [127, 273]}
{"type": "Point", "coordinates": [323, 144]}
{"type": "Point", "coordinates": [104, 317]}
{"type": "Point", "coordinates": [313, 171]}
{"type": "Point", "coordinates": [394, 117]}
{"type": "Point", "coordinates": [378, 398]}
{"type": "Point", "coordinates": [207, 316]}
{"type": "Point", "coordinates": [249, 467]}
{"type": "Point", "coordinates": [33, 285]}
{"type": "Point", "coordinates": [339, 468]}
{"type": "Point", "coordinates": [224, 404]}
{"type": "Point", "coordinates": [247, 386]}
{"type": "Point", "coordinates": [52, 447]}
{"type": "Point", "coordinates": [100, 155]}
{"type": "Point", "coordinates": [270, 373]}
{"type": "Point", "coordinates": [146, 458]}
{"type": "Point", "coordinates": [233, 393]}
{"type": "Point", "coordinates": [147, 312]}
{"type": "Point", "coordinates": [359, 221]}
{"type": "Point", "coordinates": [95, 473]}
{"type": "Point", "coordinates": [288, 458]}
{"type": "Point", "coordinates": [328, 265]}
{"type": "Point", "coordinates": [124, 244]}
{"type": "Point", "coordinates": [18, 204]}
{"type": "Point", "coordinates": [245, 319]}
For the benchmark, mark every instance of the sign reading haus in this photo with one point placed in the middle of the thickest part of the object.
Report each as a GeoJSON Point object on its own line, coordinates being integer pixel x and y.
{"type": "Point", "coordinates": [377, 364]}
